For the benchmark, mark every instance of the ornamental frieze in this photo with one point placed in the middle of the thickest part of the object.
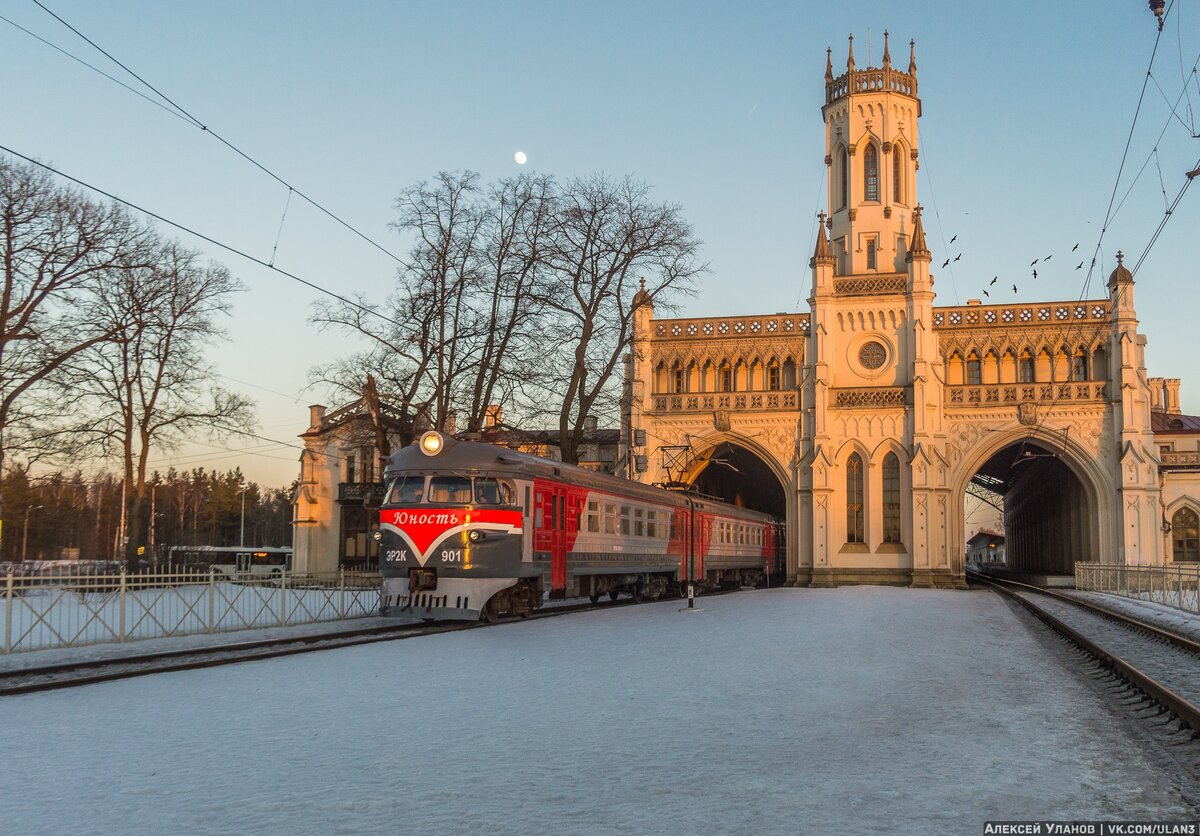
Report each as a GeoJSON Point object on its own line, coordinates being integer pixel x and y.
{"type": "Point", "coordinates": [873, 397]}
{"type": "Point", "coordinates": [731, 327]}
{"type": "Point", "coordinates": [871, 285]}
{"type": "Point", "coordinates": [1089, 334]}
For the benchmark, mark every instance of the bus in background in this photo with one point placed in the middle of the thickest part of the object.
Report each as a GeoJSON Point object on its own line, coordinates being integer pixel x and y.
{"type": "Point", "coordinates": [231, 561]}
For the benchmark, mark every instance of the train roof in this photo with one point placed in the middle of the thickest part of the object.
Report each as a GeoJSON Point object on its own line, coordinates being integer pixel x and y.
{"type": "Point", "coordinates": [472, 457]}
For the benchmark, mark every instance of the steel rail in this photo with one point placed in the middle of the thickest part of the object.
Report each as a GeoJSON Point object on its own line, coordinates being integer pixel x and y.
{"type": "Point", "coordinates": [1187, 712]}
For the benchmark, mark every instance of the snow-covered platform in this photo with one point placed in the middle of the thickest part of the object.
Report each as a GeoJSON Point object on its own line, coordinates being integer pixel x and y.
{"type": "Point", "coordinates": [852, 710]}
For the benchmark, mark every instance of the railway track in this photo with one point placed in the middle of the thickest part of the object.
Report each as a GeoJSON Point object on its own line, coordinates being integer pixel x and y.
{"type": "Point", "coordinates": [1153, 671]}
{"type": "Point", "coordinates": [87, 672]}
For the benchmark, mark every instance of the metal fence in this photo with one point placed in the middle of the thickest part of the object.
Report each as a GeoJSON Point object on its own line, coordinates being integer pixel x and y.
{"type": "Point", "coordinates": [1175, 586]}
{"type": "Point", "coordinates": [68, 609]}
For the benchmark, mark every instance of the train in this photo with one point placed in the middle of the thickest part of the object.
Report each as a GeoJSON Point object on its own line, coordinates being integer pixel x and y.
{"type": "Point", "coordinates": [471, 531]}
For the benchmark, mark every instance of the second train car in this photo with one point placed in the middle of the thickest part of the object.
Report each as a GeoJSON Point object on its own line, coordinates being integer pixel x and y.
{"type": "Point", "coordinates": [470, 531]}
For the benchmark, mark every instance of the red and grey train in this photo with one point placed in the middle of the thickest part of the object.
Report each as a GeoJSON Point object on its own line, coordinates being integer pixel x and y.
{"type": "Point", "coordinates": [470, 531]}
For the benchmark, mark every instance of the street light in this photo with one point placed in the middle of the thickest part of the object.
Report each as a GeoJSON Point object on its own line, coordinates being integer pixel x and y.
{"type": "Point", "coordinates": [242, 536]}
{"type": "Point", "coordinates": [25, 530]}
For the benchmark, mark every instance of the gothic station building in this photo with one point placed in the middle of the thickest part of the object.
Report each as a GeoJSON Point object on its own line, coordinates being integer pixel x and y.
{"type": "Point", "coordinates": [865, 420]}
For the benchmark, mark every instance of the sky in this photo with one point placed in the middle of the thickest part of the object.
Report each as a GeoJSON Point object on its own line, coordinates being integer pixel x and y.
{"type": "Point", "coordinates": [1027, 108]}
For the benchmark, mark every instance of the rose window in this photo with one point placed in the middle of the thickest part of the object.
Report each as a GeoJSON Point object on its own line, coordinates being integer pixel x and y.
{"type": "Point", "coordinates": [872, 355]}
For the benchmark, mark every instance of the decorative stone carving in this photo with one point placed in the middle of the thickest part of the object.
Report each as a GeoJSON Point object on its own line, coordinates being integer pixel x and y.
{"type": "Point", "coordinates": [1027, 413]}
{"type": "Point", "coordinates": [870, 285]}
{"type": "Point", "coordinates": [870, 397]}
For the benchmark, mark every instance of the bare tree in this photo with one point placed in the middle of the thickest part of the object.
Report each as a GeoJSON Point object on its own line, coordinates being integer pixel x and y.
{"type": "Point", "coordinates": [149, 387]}
{"type": "Point", "coordinates": [606, 236]}
{"type": "Point", "coordinates": [58, 249]}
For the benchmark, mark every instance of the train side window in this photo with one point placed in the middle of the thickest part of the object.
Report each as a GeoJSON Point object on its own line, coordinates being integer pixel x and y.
{"type": "Point", "coordinates": [639, 522]}
{"type": "Point", "coordinates": [610, 518]}
{"type": "Point", "coordinates": [539, 515]}
{"type": "Point", "coordinates": [651, 523]}
{"type": "Point", "coordinates": [625, 520]}
{"type": "Point", "coordinates": [487, 491]}
{"type": "Point", "coordinates": [593, 516]}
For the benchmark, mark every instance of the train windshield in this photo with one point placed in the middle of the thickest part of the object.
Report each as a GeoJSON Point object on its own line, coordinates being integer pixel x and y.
{"type": "Point", "coordinates": [407, 489]}
{"type": "Point", "coordinates": [460, 490]}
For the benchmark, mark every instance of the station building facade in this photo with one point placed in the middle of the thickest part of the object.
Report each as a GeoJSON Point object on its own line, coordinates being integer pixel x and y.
{"type": "Point", "coordinates": [864, 420]}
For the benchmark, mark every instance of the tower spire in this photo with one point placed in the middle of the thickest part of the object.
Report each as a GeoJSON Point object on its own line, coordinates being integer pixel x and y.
{"type": "Point", "coordinates": [821, 254]}
{"type": "Point", "coordinates": [887, 56]}
{"type": "Point", "coordinates": [917, 249]}
{"type": "Point", "coordinates": [850, 57]}
{"type": "Point", "coordinates": [828, 64]}
{"type": "Point", "coordinates": [912, 57]}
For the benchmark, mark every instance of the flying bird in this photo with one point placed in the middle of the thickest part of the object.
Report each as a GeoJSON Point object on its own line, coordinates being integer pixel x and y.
{"type": "Point", "coordinates": [955, 238]}
{"type": "Point", "coordinates": [1080, 266]}
{"type": "Point", "coordinates": [993, 281]}
{"type": "Point", "coordinates": [985, 293]}
{"type": "Point", "coordinates": [1074, 248]}
{"type": "Point", "coordinates": [946, 263]}
{"type": "Point", "coordinates": [957, 257]}
{"type": "Point", "coordinates": [1035, 261]}
{"type": "Point", "coordinates": [1047, 258]}
{"type": "Point", "coordinates": [1035, 274]}
{"type": "Point", "coordinates": [1014, 288]}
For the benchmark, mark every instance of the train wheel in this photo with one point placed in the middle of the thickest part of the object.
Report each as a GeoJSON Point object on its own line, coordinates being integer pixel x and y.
{"type": "Point", "coordinates": [637, 595]}
{"type": "Point", "coordinates": [488, 614]}
{"type": "Point", "coordinates": [612, 595]}
{"type": "Point", "coordinates": [594, 597]}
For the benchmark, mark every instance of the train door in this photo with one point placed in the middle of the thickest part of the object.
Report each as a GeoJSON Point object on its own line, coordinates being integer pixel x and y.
{"type": "Point", "coordinates": [245, 562]}
{"type": "Point", "coordinates": [550, 504]}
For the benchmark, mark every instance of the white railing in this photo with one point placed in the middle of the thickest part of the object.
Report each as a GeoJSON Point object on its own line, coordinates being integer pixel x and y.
{"type": "Point", "coordinates": [68, 610]}
{"type": "Point", "coordinates": [1175, 586]}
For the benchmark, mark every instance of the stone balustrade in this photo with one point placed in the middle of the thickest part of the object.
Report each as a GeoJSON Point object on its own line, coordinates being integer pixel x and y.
{"type": "Point", "coordinates": [724, 328]}
{"type": "Point", "coordinates": [764, 401]}
{"type": "Point", "coordinates": [1040, 313]}
{"type": "Point", "coordinates": [1017, 393]}
{"type": "Point", "coordinates": [1181, 458]}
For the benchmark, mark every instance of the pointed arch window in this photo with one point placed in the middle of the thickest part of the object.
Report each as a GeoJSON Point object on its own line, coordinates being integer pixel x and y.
{"type": "Point", "coordinates": [891, 498]}
{"type": "Point", "coordinates": [974, 371]}
{"type": "Point", "coordinates": [726, 378]}
{"type": "Point", "coordinates": [1185, 535]}
{"type": "Point", "coordinates": [897, 174]}
{"type": "Point", "coordinates": [1025, 368]}
{"type": "Point", "coordinates": [855, 529]}
{"type": "Point", "coordinates": [844, 176]}
{"type": "Point", "coordinates": [871, 173]}
{"type": "Point", "coordinates": [1079, 365]}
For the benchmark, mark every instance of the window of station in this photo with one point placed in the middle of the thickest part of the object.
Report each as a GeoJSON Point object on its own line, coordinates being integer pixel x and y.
{"type": "Point", "coordinates": [1079, 366]}
{"type": "Point", "coordinates": [726, 378]}
{"type": "Point", "coordinates": [651, 523]}
{"type": "Point", "coordinates": [871, 259]}
{"type": "Point", "coordinates": [871, 173]}
{"type": "Point", "coordinates": [891, 498]}
{"type": "Point", "coordinates": [773, 376]}
{"type": "Point", "coordinates": [844, 184]}
{"type": "Point", "coordinates": [1025, 368]}
{"type": "Point", "coordinates": [974, 370]}
{"type": "Point", "coordinates": [855, 528]}
{"type": "Point", "coordinates": [897, 174]}
{"type": "Point", "coordinates": [1185, 535]}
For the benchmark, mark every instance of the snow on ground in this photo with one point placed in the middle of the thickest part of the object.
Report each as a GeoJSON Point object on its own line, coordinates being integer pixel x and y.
{"type": "Point", "coordinates": [850, 710]}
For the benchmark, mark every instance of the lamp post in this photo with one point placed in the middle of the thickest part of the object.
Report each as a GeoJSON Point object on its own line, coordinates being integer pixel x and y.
{"type": "Point", "coordinates": [242, 536]}
{"type": "Point", "coordinates": [25, 530]}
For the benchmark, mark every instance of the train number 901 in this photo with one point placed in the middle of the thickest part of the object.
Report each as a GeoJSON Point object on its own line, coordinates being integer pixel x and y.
{"type": "Point", "coordinates": [452, 556]}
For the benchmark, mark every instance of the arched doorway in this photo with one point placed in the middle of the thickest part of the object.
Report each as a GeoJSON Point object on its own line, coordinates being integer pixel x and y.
{"type": "Point", "coordinates": [1053, 501]}
{"type": "Point", "coordinates": [738, 476]}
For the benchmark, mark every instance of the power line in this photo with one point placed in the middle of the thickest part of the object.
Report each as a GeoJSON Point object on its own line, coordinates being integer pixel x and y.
{"type": "Point", "coordinates": [204, 127]}
{"type": "Point", "coordinates": [201, 236]}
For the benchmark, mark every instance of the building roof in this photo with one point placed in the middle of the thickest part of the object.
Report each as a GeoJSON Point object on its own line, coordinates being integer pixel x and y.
{"type": "Point", "coordinates": [1167, 423]}
{"type": "Point", "coordinates": [983, 535]}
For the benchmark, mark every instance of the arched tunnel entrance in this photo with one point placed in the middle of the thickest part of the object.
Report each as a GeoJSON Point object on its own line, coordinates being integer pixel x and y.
{"type": "Point", "coordinates": [738, 476]}
{"type": "Point", "coordinates": [1050, 520]}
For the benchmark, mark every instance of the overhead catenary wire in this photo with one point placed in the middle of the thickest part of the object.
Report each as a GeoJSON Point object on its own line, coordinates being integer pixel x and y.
{"type": "Point", "coordinates": [195, 121]}
{"type": "Point", "coordinates": [183, 228]}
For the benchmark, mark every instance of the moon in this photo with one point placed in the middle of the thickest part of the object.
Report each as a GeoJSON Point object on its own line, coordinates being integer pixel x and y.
{"type": "Point", "coordinates": [520, 157]}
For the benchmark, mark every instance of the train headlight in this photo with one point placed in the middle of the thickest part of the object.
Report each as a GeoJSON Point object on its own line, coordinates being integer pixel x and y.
{"type": "Point", "coordinates": [377, 535]}
{"type": "Point", "coordinates": [432, 443]}
{"type": "Point", "coordinates": [474, 535]}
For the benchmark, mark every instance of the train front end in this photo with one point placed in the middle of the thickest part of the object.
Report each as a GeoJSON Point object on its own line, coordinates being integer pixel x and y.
{"type": "Point", "coordinates": [451, 535]}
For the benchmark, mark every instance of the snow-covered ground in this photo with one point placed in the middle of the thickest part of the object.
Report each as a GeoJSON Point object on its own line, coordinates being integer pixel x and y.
{"type": "Point", "coordinates": [850, 710]}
